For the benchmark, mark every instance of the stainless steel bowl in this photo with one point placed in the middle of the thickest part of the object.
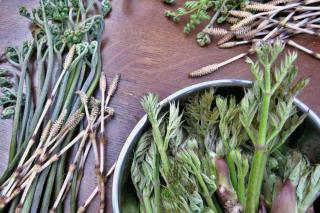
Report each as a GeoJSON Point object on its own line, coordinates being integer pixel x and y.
{"type": "Point", "coordinates": [121, 183]}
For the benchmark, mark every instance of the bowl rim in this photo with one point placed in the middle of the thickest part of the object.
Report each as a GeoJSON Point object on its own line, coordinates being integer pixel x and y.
{"type": "Point", "coordinates": [182, 92]}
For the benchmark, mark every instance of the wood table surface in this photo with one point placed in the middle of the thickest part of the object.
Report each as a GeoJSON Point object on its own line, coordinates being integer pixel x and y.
{"type": "Point", "coordinates": [152, 55]}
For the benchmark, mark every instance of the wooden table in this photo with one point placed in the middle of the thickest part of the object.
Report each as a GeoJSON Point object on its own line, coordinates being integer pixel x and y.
{"type": "Point", "coordinates": [152, 55]}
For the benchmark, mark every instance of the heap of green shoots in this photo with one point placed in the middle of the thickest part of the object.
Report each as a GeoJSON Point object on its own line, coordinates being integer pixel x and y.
{"type": "Point", "coordinates": [48, 92]}
{"type": "Point", "coordinates": [217, 154]}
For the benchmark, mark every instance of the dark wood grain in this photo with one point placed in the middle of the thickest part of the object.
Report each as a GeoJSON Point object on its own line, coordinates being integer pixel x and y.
{"type": "Point", "coordinates": [152, 55]}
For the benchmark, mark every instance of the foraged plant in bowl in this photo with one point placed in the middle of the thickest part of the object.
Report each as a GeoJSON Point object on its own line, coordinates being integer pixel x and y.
{"type": "Point", "coordinates": [225, 146]}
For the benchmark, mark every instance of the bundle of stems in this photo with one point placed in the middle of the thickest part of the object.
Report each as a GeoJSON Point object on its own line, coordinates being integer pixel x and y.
{"type": "Point", "coordinates": [225, 153]}
{"type": "Point", "coordinates": [64, 56]}
{"type": "Point", "coordinates": [257, 22]}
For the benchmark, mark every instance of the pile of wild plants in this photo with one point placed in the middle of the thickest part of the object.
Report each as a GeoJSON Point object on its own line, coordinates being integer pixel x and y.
{"type": "Point", "coordinates": [219, 154]}
{"type": "Point", "coordinates": [48, 91]}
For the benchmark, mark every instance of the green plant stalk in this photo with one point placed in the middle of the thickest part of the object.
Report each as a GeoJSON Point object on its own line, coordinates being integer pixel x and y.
{"type": "Point", "coordinates": [59, 101]}
{"type": "Point", "coordinates": [28, 202]}
{"type": "Point", "coordinates": [255, 181]}
{"type": "Point", "coordinates": [74, 196]}
{"type": "Point", "coordinates": [205, 191]}
{"type": "Point", "coordinates": [59, 65]}
{"type": "Point", "coordinates": [40, 183]}
{"type": "Point", "coordinates": [17, 111]}
{"type": "Point", "coordinates": [40, 73]}
{"type": "Point", "coordinates": [63, 159]}
{"type": "Point", "coordinates": [53, 168]}
{"type": "Point", "coordinates": [46, 84]}
{"type": "Point", "coordinates": [217, 205]}
{"type": "Point", "coordinates": [12, 165]}
{"type": "Point", "coordinates": [261, 154]}
{"type": "Point", "coordinates": [147, 204]}
{"type": "Point", "coordinates": [241, 187]}
{"type": "Point", "coordinates": [29, 119]}
{"type": "Point", "coordinates": [54, 180]}
{"type": "Point", "coordinates": [163, 155]}
{"type": "Point", "coordinates": [13, 205]}
{"type": "Point", "coordinates": [233, 172]}
{"type": "Point", "coordinates": [61, 168]}
{"type": "Point", "coordinates": [156, 183]}
{"type": "Point", "coordinates": [27, 105]}
{"type": "Point", "coordinates": [67, 102]}
{"type": "Point", "coordinates": [43, 177]}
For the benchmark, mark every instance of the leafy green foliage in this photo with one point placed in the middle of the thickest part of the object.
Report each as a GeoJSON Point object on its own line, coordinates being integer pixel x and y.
{"type": "Point", "coordinates": [196, 10]}
{"type": "Point", "coordinates": [8, 96]}
{"type": "Point", "coordinates": [200, 115]}
{"type": "Point", "coordinates": [105, 7]}
{"type": "Point", "coordinates": [203, 39]}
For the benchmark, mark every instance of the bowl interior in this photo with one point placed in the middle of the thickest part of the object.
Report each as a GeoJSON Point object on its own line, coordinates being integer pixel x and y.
{"type": "Point", "coordinates": [305, 138]}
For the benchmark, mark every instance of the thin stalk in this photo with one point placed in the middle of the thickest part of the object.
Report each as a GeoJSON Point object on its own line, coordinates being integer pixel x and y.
{"type": "Point", "coordinates": [44, 90]}
{"type": "Point", "coordinates": [67, 102]}
{"type": "Point", "coordinates": [52, 178]}
{"type": "Point", "coordinates": [304, 49]}
{"type": "Point", "coordinates": [28, 202]}
{"type": "Point", "coordinates": [54, 167]}
{"type": "Point", "coordinates": [71, 170]}
{"type": "Point", "coordinates": [17, 110]}
{"type": "Point", "coordinates": [13, 205]}
{"type": "Point", "coordinates": [75, 187]}
{"type": "Point", "coordinates": [147, 204]}
{"type": "Point", "coordinates": [85, 205]}
{"type": "Point", "coordinates": [40, 69]}
{"type": "Point", "coordinates": [74, 196]}
{"type": "Point", "coordinates": [97, 167]}
{"type": "Point", "coordinates": [260, 155]}
{"type": "Point", "coordinates": [233, 172]}
{"type": "Point", "coordinates": [241, 187]}
{"type": "Point", "coordinates": [205, 192]}
{"type": "Point", "coordinates": [26, 110]}
{"type": "Point", "coordinates": [259, 162]}
{"type": "Point", "coordinates": [156, 183]}
{"type": "Point", "coordinates": [103, 85]}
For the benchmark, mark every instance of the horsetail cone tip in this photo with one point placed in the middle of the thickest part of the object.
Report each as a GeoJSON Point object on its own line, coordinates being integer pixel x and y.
{"type": "Point", "coordinates": [83, 97]}
{"type": "Point", "coordinates": [103, 82]}
{"type": "Point", "coordinates": [58, 123]}
{"type": "Point", "coordinates": [204, 71]}
{"type": "Point", "coordinates": [46, 131]}
{"type": "Point", "coordinates": [69, 57]}
{"type": "Point", "coordinates": [114, 85]}
{"type": "Point", "coordinates": [215, 31]}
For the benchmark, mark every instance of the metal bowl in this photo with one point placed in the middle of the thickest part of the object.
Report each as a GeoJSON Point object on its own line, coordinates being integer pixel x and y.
{"type": "Point", "coordinates": [122, 185]}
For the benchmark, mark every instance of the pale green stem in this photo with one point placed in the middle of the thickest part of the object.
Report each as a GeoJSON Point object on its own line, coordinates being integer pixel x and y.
{"type": "Point", "coordinates": [206, 193]}
{"type": "Point", "coordinates": [261, 155]}
{"type": "Point", "coordinates": [233, 172]}
{"type": "Point", "coordinates": [46, 84]}
{"type": "Point", "coordinates": [17, 111]}
{"type": "Point", "coordinates": [241, 187]}
{"type": "Point", "coordinates": [147, 204]}
{"type": "Point", "coordinates": [156, 184]}
{"type": "Point", "coordinates": [27, 105]}
{"type": "Point", "coordinates": [159, 142]}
